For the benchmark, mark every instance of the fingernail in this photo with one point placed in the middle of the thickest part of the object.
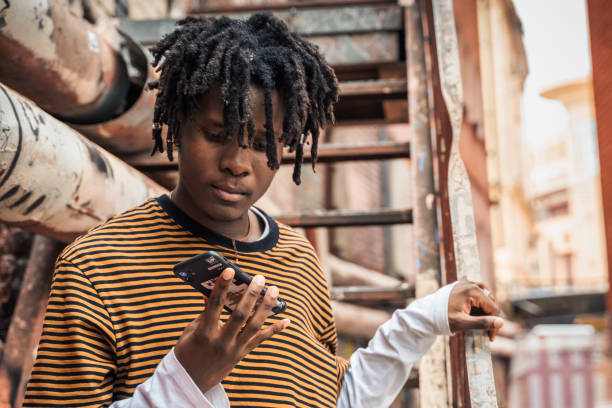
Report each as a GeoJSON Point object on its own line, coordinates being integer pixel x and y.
{"type": "Point", "coordinates": [227, 274]}
{"type": "Point", "coordinates": [286, 322]}
{"type": "Point", "coordinates": [273, 291]}
{"type": "Point", "coordinates": [259, 280]}
{"type": "Point", "coordinates": [498, 323]}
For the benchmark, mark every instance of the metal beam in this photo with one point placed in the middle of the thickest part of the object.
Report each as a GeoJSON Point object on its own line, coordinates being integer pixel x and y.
{"type": "Point", "coordinates": [54, 181]}
{"type": "Point", "coordinates": [382, 88]}
{"type": "Point", "coordinates": [399, 293]}
{"type": "Point", "coordinates": [328, 153]}
{"type": "Point", "coordinates": [478, 357]}
{"type": "Point", "coordinates": [433, 375]}
{"type": "Point", "coordinates": [443, 136]}
{"type": "Point", "coordinates": [307, 22]}
{"type": "Point", "coordinates": [220, 6]}
{"type": "Point", "coordinates": [345, 218]}
{"type": "Point", "coordinates": [336, 152]}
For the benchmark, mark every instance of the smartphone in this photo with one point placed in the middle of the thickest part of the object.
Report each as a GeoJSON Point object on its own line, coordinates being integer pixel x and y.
{"type": "Point", "coordinates": [201, 272]}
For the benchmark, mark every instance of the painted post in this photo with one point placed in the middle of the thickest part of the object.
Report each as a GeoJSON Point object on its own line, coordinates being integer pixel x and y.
{"type": "Point", "coordinates": [433, 383]}
{"type": "Point", "coordinates": [478, 357]}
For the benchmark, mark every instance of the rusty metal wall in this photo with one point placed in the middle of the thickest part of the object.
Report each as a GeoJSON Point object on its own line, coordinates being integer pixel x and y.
{"type": "Point", "coordinates": [26, 324]}
{"type": "Point", "coordinates": [600, 21]}
{"type": "Point", "coordinates": [14, 250]}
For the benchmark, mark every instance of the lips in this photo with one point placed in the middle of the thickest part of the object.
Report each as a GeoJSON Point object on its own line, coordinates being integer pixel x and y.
{"type": "Point", "coordinates": [228, 193]}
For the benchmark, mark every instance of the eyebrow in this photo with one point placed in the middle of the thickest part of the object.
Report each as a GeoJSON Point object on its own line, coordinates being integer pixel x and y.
{"type": "Point", "coordinates": [221, 125]}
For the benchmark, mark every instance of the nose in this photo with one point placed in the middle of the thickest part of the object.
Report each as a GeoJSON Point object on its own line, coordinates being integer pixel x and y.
{"type": "Point", "coordinates": [235, 160]}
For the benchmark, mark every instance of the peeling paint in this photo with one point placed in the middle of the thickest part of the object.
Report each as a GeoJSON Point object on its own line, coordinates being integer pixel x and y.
{"type": "Point", "coordinates": [477, 355]}
{"type": "Point", "coordinates": [56, 174]}
{"type": "Point", "coordinates": [24, 21]}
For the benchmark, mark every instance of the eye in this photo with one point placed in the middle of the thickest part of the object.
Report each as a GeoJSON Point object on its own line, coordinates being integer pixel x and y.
{"type": "Point", "coordinates": [259, 145]}
{"type": "Point", "coordinates": [214, 137]}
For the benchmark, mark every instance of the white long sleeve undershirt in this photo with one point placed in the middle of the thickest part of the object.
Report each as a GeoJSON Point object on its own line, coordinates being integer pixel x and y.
{"type": "Point", "coordinates": [375, 377]}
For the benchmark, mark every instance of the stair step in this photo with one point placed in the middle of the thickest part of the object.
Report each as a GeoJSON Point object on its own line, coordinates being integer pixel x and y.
{"type": "Point", "coordinates": [345, 218]}
{"type": "Point", "coordinates": [337, 152]}
{"type": "Point", "coordinates": [328, 153]}
{"type": "Point", "coordinates": [372, 293]}
{"type": "Point", "coordinates": [386, 87]}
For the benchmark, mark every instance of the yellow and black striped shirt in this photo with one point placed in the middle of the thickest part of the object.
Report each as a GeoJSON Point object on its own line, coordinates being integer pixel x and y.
{"type": "Point", "coordinates": [116, 309]}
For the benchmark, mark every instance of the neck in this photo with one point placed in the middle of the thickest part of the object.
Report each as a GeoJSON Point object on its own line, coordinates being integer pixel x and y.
{"type": "Point", "coordinates": [244, 228]}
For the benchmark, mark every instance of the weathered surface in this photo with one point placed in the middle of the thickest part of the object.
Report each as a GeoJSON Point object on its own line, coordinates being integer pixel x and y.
{"type": "Point", "coordinates": [14, 249]}
{"type": "Point", "coordinates": [345, 273]}
{"type": "Point", "coordinates": [345, 218]}
{"type": "Point", "coordinates": [54, 57]}
{"type": "Point", "coordinates": [224, 6]}
{"type": "Point", "coordinates": [56, 182]}
{"type": "Point", "coordinates": [84, 74]}
{"type": "Point", "coordinates": [433, 384]}
{"type": "Point", "coordinates": [478, 357]}
{"type": "Point", "coordinates": [358, 321]}
{"type": "Point", "coordinates": [600, 19]}
{"type": "Point", "coordinates": [315, 21]}
{"type": "Point", "coordinates": [26, 324]}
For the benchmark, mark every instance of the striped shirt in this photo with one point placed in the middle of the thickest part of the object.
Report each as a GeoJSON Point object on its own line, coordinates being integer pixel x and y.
{"type": "Point", "coordinates": [116, 308]}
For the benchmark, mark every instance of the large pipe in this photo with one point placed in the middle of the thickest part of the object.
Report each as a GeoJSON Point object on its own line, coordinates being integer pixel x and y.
{"type": "Point", "coordinates": [345, 273]}
{"type": "Point", "coordinates": [91, 77]}
{"type": "Point", "coordinates": [55, 182]}
{"type": "Point", "coordinates": [26, 323]}
{"type": "Point", "coordinates": [358, 321]}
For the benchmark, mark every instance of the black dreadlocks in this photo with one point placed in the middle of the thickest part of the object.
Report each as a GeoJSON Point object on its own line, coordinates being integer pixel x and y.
{"type": "Point", "coordinates": [262, 51]}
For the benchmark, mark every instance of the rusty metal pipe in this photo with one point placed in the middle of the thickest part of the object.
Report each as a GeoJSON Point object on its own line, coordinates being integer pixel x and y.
{"type": "Point", "coordinates": [90, 77]}
{"type": "Point", "coordinates": [26, 323]}
{"type": "Point", "coordinates": [358, 321]}
{"type": "Point", "coordinates": [54, 181]}
{"type": "Point", "coordinates": [345, 273]}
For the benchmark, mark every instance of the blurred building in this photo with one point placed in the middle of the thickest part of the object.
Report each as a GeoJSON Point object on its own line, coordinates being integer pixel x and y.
{"type": "Point", "coordinates": [563, 190]}
{"type": "Point", "coordinates": [503, 67]}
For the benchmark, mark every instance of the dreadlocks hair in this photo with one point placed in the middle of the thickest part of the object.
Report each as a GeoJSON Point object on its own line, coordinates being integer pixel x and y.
{"type": "Point", "coordinates": [260, 51]}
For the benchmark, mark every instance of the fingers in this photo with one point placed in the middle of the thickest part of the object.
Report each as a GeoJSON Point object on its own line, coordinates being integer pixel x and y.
{"type": "Point", "coordinates": [210, 316]}
{"type": "Point", "coordinates": [261, 314]}
{"type": "Point", "coordinates": [467, 322]}
{"type": "Point", "coordinates": [472, 307]}
{"type": "Point", "coordinates": [486, 288]}
{"type": "Point", "coordinates": [266, 333]}
{"type": "Point", "coordinates": [484, 301]}
{"type": "Point", "coordinates": [243, 310]}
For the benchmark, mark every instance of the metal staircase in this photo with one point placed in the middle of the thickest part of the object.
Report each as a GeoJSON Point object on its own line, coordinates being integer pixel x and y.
{"type": "Point", "coordinates": [386, 59]}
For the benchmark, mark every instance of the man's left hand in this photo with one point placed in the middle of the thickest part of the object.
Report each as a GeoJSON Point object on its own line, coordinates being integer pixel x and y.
{"type": "Point", "coordinates": [472, 306]}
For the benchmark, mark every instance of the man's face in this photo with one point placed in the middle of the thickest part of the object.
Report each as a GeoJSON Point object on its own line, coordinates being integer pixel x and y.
{"type": "Point", "coordinates": [220, 178]}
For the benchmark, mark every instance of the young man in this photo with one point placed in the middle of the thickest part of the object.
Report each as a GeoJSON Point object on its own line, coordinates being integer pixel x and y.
{"type": "Point", "coordinates": [122, 330]}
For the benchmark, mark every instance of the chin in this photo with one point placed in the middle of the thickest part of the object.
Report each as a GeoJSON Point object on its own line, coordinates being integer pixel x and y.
{"type": "Point", "coordinates": [222, 212]}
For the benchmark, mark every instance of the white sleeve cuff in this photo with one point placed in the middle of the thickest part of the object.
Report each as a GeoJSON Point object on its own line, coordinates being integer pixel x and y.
{"type": "Point", "coordinates": [170, 385]}
{"type": "Point", "coordinates": [440, 301]}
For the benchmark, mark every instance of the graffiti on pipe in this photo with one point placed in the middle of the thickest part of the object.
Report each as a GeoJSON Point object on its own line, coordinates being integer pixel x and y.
{"type": "Point", "coordinates": [53, 180]}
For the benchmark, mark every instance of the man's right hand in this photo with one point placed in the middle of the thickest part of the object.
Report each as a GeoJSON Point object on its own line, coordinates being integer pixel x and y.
{"type": "Point", "coordinates": [209, 349]}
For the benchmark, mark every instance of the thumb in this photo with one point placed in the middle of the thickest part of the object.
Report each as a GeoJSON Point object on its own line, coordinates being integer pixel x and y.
{"type": "Point", "coordinates": [482, 322]}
